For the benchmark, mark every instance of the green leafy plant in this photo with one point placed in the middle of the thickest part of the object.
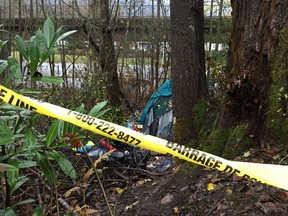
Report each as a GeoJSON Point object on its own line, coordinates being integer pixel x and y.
{"type": "Point", "coordinates": [35, 52]}
{"type": "Point", "coordinates": [15, 150]}
{"type": "Point", "coordinates": [41, 46]}
{"type": "Point", "coordinates": [23, 147]}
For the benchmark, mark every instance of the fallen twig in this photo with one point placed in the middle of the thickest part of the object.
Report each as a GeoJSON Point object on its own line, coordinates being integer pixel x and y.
{"type": "Point", "coordinates": [98, 177]}
{"type": "Point", "coordinates": [146, 171]}
{"type": "Point", "coordinates": [283, 159]}
{"type": "Point", "coordinates": [214, 207]}
{"type": "Point", "coordinates": [120, 175]}
{"type": "Point", "coordinates": [39, 197]}
{"type": "Point", "coordinates": [67, 206]}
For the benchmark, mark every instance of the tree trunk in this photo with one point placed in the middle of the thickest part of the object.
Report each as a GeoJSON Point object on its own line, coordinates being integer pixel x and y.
{"type": "Point", "coordinates": [101, 39]}
{"type": "Point", "coordinates": [187, 65]}
{"type": "Point", "coordinates": [211, 26]}
{"type": "Point", "coordinates": [157, 50]}
{"type": "Point", "coordinates": [256, 27]}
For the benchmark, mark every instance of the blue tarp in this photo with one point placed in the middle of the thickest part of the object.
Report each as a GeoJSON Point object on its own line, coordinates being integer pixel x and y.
{"type": "Point", "coordinates": [164, 90]}
{"type": "Point", "coordinates": [157, 117]}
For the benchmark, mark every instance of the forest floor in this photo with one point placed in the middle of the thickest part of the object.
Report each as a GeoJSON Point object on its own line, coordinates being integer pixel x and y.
{"type": "Point", "coordinates": [184, 189]}
{"type": "Point", "coordinates": [193, 190]}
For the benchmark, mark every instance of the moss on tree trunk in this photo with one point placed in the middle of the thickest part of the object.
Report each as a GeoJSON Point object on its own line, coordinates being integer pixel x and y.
{"type": "Point", "coordinates": [228, 143]}
{"type": "Point", "coordinates": [184, 126]}
{"type": "Point", "coordinates": [256, 79]}
{"type": "Point", "coordinates": [277, 115]}
{"type": "Point", "coordinates": [187, 66]}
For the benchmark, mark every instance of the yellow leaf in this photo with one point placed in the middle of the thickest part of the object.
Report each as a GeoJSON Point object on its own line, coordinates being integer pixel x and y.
{"type": "Point", "coordinates": [229, 191]}
{"type": "Point", "coordinates": [211, 186]}
{"type": "Point", "coordinates": [87, 175]}
{"type": "Point", "coordinates": [246, 154]}
{"type": "Point", "coordinates": [90, 211]}
{"type": "Point", "coordinates": [154, 183]}
{"type": "Point", "coordinates": [119, 190]}
{"type": "Point", "coordinates": [77, 208]}
{"type": "Point", "coordinates": [176, 210]}
{"type": "Point", "coordinates": [70, 191]}
{"type": "Point", "coordinates": [128, 207]}
{"type": "Point", "coordinates": [91, 170]}
{"type": "Point", "coordinates": [147, 180]}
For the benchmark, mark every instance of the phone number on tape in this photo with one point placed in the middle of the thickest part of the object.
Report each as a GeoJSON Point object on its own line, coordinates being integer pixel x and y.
{"type": "Point", "coordinates": [105, 128]}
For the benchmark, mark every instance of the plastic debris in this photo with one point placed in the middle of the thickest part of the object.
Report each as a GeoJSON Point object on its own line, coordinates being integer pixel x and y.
{"type": "Point", "coordinates": [160, 164]}
{"type": "Point", "coordinates": [87, 147]}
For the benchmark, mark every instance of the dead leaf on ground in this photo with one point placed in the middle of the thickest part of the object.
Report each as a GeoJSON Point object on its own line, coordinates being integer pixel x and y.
{"type": "Point", "coordinates": [211, 186]}
{"type": "Point", "coordinates": [268, 207]}
{"type": "Point", "coordinates": [119, 190]}
{"type": "Point", "coordinates": [89, 212]}
{"type": "Point", "coordinates": [176, 210]}
{"type": "Point", "coordinates": [216, 179]}
{"type": "Point", "coordinates": [229, 191]}
{"type": "Point", "coordinates": [237, 178]}
{"type": "Point", "coordinates": [70, 191]}
{"type": "Point", "coordinates": [273, 150]}
{"type": "Point", "coordinates": [219, 206]}
{"type": "Point", "coordinates": [282, 195]}
{"type": "Point", "coordinates": [246, 154]}
{"type": "Point", "coordinates": [131, 206]}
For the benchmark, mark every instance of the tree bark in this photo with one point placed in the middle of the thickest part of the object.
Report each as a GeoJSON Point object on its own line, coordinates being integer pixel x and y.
{"type": "Point", "coordinates": [187, 65]}
{"type": "Point", "coordinates": [256, 27]}
{"type": "Point", "coordinates": [101, 39]}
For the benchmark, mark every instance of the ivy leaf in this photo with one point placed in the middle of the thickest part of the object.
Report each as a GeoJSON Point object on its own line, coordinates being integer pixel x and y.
{"type": "Point", "coordinates": [246, 154]}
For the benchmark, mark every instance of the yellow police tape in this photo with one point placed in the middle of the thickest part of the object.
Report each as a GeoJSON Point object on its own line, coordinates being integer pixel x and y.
{"type": "Point", "coordinates": [275, 175]}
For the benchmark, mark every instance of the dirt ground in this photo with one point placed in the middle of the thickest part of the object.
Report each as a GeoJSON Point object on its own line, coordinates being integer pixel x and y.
{"type": "Point", "coordinates": [188, 195]}
{"type": "Point", "coordinates": [183, 190]}
{"type": "Point", "coordinates": [192, 190]}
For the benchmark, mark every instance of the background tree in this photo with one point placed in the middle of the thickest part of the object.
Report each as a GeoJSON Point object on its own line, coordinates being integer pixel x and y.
{"type": "Point", "coordinates": [187, 65]}
{"type": "Point", "coordinates": [99, 31]}
{"type": "Point", "coordinates": [256, 78]}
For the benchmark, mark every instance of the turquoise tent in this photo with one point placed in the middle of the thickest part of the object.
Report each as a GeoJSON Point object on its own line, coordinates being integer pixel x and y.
{"type": "Point", "coordinates": [157, 117]}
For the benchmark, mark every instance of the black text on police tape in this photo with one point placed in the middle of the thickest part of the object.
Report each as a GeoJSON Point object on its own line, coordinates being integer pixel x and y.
{"type": "Point", "coordinates": [106, 128]}
{"type": "Point", "coordinates": [16, 101]}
